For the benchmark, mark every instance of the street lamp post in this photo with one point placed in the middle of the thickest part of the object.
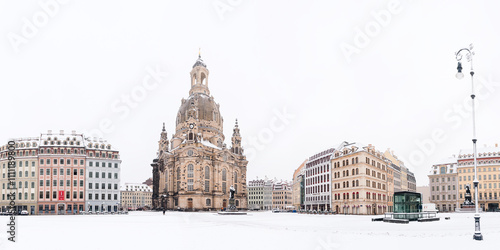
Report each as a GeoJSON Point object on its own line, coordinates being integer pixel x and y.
{"type": "Point", "coordinates": [469, 53]}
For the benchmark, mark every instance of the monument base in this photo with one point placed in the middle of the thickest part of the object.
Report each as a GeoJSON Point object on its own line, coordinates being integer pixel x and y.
{"type": "Point", "coordinates": [231, 209]}
{"type": "Point", "coordinates": [232, 213]}
{"type": "Point", "coordinates": [468, 209]}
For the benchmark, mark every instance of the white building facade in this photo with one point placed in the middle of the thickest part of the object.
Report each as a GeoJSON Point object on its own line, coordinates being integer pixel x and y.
{"type": "Point", "coordinates": [256, 194]}
{"type": "Point", "coordinates": [268, 194]}
{"type": "Point", "coordinates": [318, 181]}
{"type": "Point", "coordinates": [103, 176]}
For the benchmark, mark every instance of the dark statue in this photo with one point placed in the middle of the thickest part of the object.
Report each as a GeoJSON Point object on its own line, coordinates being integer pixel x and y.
{"type": "Point", "coordinates": [231, 207]}
{"type": "Point", "coordinates": [468, 197]}
{"type": "Point", "coordinates": [231, 192]}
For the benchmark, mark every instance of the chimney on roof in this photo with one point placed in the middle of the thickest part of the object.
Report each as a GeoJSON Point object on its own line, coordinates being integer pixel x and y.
{"type": "Point", "coordinates": [49, 132]}
{"type": "Point", "coordinates": [496, 145]}
{"type": "Point", "coordinates": [61, 132]}
{"type": "Point", "coordinates": [73, 132]}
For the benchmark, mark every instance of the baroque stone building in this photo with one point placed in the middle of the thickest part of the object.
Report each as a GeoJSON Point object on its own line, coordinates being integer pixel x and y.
{"type": "Point", "coordinates": [194, 169]}
{"type": "Point", "coordinates": [359, 180]}
{"type": "Point", "coordinates": [135, 196]}
{"type": "Point", "coordinates": [443, 180]}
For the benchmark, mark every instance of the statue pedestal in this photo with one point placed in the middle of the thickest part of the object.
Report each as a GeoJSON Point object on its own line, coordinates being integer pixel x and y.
{"type": "Point", "coordinates": [232, 206]}
{"type": "Point", "coordinates": [231, 209]}
{"type": "Point", "coordinates": [468, 209]}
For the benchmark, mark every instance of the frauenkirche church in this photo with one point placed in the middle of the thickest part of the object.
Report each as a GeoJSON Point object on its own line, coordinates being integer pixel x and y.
{"type": "Point", "coordinates": [195, 169]}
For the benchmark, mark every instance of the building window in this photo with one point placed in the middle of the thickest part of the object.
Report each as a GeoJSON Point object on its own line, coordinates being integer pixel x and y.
{"type": "Point", "coordinates": [190, 170]}
{"type": "Point", "coordinates": [207, 172]}
{"type": "Point", "coordinates": [207, 186]}
{"type": "Point", "coordinates": [190, 184]}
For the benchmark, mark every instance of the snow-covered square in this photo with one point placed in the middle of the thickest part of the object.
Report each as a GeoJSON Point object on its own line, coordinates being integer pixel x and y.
{"type": "Point", "coordinates": [257, 230]}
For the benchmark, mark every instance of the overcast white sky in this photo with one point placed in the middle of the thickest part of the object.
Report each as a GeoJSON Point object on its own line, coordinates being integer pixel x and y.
{"type": "Point", "coordinates": [74, 66]}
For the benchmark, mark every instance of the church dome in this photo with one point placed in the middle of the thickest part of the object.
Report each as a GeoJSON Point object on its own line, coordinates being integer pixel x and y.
{"type": "Point", "coordinates": [201, 107]}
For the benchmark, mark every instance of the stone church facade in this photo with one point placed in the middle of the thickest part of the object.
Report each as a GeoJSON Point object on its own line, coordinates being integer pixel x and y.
{"type": "Point", "coordinates": [194, 169]}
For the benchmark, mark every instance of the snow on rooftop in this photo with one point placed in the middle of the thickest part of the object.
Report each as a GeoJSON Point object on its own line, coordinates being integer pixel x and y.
{"type": "Point", "coordinates": [449, 160]}
{"type": "Point", "coordinates": [209, 144]}
{"type": "Point", "coordinates": [495, 151]}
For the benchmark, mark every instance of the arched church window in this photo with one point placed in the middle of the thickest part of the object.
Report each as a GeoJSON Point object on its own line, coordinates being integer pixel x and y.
{"type": "Point", "coordinates": [207, 186]}
{"type": "Point", "coordinates": [207, 172]}
{"type": "Point", "coordinates": [235, 177]}
{"type": "Point", "coordinates": [190, 171]}
{"type": "Point", "coordinates": [178, 173]}
{"type": "Point", "coordinates": [224, 178]}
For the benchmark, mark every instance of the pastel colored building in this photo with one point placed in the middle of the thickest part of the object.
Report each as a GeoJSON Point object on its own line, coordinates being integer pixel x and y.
{"type": "Point", "coordinates": [26, 176]}
{"type": "Point", "coordinates": [488, 175]}
{"type": "Point", "coordinates": [61, 176]}
{"type": "Point", "coordinates": [136, 196]}
{"type": "Point", "coordinates": [62, 173]}
{"type": "Point", "coordinates": [443, 185]}
{"type": "Point", "coordinates": [359, 180]}
{"type": "Point", "coordinates": [282, 195]}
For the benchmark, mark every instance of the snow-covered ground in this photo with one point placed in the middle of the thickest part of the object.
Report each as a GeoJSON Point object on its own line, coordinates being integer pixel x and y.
{"type": "Point", "coordinates": [257, 230]}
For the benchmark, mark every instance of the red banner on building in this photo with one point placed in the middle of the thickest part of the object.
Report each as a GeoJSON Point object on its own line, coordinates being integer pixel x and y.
{"type": "Point", "coordinates": [61, 195]}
